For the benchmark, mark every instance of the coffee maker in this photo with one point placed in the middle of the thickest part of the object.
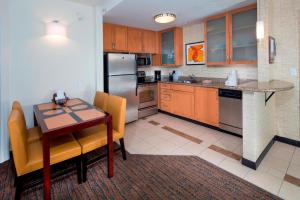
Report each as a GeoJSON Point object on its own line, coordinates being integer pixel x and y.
{"type": "Point", "coordinates": [157, 75]}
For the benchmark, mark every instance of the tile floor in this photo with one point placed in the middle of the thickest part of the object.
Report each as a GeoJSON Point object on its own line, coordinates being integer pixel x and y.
{"type": "Point", "coordinates": [142, 137]}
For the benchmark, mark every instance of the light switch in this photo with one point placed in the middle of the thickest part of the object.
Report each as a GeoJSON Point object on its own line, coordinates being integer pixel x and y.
{"type": "Point", "coordinates": [293, 71]}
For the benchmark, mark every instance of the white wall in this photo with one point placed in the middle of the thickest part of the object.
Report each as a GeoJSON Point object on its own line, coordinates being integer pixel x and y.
{"type": "Point", "coordinates": [4, 79]}
{"type": "Point", "coordinates": [40, 66]}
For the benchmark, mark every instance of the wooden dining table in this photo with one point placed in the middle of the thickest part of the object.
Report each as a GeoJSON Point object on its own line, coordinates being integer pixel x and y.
{"type": "Point", "coordinates": [75, 115]}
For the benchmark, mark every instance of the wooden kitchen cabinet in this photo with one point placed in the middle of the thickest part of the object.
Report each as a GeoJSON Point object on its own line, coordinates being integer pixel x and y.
{"type": "Point", "coordinates": [170, 48]}
{"type": "Point", "coordinates": [230, 37]}
{"type": "Point", "coordinates": [207, 105]}
{"type": "Point", "coordinates": [114, 37]}
{"type": "Point", "coordinates": [165, 97]}
{"type": "Point", "coordinates": [135, 38]}
{"type": "Point", "coordinates": [183, 104]}
{"type": "Point", "coordinates": [197, 103]}
{"type": "Point", "coordinates": [149, 42]}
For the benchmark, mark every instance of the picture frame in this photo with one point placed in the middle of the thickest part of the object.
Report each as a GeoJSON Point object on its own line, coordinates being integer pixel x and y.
{"type": "Point", "coordinates": [195, 53]}
{"type": "Point", "coordinates": [272, 49]}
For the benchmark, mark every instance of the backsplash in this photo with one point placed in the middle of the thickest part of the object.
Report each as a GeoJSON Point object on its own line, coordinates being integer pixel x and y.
{"type": "Point", "coordinates": [195, 33]}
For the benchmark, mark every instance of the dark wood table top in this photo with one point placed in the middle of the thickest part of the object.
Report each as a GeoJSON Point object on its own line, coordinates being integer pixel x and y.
{"type": "Point", "coordinates": [76, 112]}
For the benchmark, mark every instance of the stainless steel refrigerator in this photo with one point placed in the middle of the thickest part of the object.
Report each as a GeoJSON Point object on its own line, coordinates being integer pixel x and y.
{"type": "Point", "coordinates": [120, 78]}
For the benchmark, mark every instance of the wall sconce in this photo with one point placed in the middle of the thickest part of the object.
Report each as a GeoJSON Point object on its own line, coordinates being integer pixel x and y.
{"type": "Point", "coordinates": [56, 29]}
{"type": "Point", "coordinates": [260, 30]}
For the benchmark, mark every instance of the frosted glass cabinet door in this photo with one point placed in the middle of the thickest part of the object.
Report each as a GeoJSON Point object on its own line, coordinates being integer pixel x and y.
{"type": "Point", "coordinates": [167, 41]}
{"type": "Point", "coordinates": [216, 40]}
{"type": "Point", "coordinates": [244, 46]}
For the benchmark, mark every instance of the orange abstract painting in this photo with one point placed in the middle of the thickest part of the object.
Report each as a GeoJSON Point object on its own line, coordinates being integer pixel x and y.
{"type": "Point", "coordinates": [195, 54]}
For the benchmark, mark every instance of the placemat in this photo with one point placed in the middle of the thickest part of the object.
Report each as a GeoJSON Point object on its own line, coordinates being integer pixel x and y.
{"type": "Point", "coordinates": [89, 114]}
{"type": "Point", "coordinates": [59, 121]}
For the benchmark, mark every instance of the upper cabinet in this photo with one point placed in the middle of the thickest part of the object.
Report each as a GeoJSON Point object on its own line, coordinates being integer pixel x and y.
{"type": "Point", "coordinates": [149, 42]}
{"type": "Point", "coordinates": [217, 51]}
{"type": "Point", "coordinates": [230, 37]}
{"type": "Point", "coordinates": [118, 38]}
{"type": "Point", "coordinates": [170, 48]}
{"type": "Point", "coordinates": [243, 44]}
{"type": "Point", "coordinates": [135, 40]}
{"type": "Point", "coordinates": [115, 37]}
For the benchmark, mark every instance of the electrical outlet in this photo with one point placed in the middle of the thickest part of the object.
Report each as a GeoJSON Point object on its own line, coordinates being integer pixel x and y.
{"type": "Point", "coordinates": [293, 71]}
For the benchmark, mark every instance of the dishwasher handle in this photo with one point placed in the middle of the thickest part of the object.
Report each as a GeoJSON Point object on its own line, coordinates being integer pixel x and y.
{"type": "Point", "coordinates": [234, 94]}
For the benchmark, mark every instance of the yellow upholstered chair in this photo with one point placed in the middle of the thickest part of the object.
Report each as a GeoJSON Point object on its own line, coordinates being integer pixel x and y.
{"type": "Point", "coordinates": [28, 155]}
{"type": "Point", "coordinates": [100, 100]}
{"type": "Point", "coordinates": [96, 137]}
{"type": "Point", "coordinates": [33, 133]}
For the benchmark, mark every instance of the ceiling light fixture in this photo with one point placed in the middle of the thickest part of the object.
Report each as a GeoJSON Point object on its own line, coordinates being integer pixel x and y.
{"type": "Point", "coordinates": [164, 18]}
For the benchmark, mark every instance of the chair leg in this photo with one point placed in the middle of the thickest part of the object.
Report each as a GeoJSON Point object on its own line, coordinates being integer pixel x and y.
{"type": "Point", "coordinates": [78, 168]}
{"type": "Point", "coordinates": [84, 167]}
{"type": "Point", "coordinates": [18, 183]}
{"type": "Point", "coordinates": [123, 149]}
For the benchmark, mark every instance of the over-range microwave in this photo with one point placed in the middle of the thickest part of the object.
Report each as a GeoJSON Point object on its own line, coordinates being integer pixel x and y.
{"type": "Point", "coordinates": [143, 60]}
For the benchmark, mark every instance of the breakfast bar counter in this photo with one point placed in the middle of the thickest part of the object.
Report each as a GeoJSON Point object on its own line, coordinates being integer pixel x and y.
{"type": "Point", "coordinates": [244, 85]}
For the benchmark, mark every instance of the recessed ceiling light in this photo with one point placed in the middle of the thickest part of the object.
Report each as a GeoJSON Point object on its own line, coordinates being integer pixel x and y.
{"type": "Point", "coordinates": [164, 18]}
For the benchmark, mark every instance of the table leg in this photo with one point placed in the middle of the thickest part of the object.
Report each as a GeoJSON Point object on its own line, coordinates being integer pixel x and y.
{"type": "Point", "coordinates": [110, 161]}
{"type": "Point", "coordinates": [46, 168]}
{"type": "Point", "coordinates": [34, 120]}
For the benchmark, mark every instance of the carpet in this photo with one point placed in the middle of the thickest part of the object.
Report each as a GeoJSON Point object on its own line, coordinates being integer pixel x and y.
{"type": "Point", "coordinates": [144, 177]}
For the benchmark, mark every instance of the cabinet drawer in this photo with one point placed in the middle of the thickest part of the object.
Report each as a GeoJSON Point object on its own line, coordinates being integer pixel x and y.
{"type": "Point", "coordinates": [166, 91]}
{"type": "Point", "coordinates": [166, 106]}
{"type": "Point", "coordinates": [165, 86]}
{"type": "Point", "coordinates": [166, 96]}
{"type": "Point", "coordinates": [183, 88]}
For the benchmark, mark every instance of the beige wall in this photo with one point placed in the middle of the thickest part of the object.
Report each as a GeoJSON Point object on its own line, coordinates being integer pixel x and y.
{"type": "Point", "coordinates": [281, 18]}
{"type": "Point", "coordinates": [195, 33]}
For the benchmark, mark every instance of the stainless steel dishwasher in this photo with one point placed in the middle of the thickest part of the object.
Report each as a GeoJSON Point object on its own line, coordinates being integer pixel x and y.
{"type": "Point", "coordinates": [231, 110]}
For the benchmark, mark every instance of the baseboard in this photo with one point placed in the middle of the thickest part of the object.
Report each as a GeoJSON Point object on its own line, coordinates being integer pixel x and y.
{"type": "Point", "coordinates": [200, 123]}
{"type": "Point", "coordinates": [295, 143]}
{"type": "Point", "coordinates": [255, 165]}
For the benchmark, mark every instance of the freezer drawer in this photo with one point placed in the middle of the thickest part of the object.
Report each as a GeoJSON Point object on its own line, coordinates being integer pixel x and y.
{"type": "Point", "coordinates": [125, 86]}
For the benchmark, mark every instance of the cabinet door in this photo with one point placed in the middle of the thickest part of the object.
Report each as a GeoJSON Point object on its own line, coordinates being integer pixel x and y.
{"type": "Point", "coordinates": [212, 113]}
{"type": "Point", "coordinates": [134, 40]}
{"type": "Point", "coordinates": [207, 106]}
{"type": "Point", "coordinates": [183, 104]}
{"type": "Point", "coordinates": [107, 37]}
{"type": "Point", "coordinates": [216, 38]}
{"type": "Point", "coordinates": [167, 48]}
{"type": "Point", "coordinates": [243, 37]}
{"type": "Point", "coordinates": [149, 41]}
{"type": "Point", "coordinates": [120, 38]}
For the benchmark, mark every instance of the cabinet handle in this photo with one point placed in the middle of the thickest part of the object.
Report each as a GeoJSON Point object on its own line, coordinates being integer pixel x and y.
{"type": "Point", "coordinates": [113, 45]}
{"type": "Point", "coordinates": [227, 57]}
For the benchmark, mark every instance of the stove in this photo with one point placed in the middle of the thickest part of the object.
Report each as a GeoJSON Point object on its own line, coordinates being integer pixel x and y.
{"type": "Point", "coordinates": [147, 93]}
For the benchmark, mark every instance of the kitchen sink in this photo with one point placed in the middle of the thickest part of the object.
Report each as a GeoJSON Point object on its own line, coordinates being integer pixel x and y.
{"type": "Point", "coordinates": [187, 81]}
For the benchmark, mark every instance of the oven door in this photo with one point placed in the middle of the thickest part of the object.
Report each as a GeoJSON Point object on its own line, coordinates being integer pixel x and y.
{"type": "Point", "coordinates": [147, 96]}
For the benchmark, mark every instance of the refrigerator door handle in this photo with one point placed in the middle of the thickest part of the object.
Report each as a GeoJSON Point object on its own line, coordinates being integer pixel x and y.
{"type": "Point", "coordinates": [136, 89]}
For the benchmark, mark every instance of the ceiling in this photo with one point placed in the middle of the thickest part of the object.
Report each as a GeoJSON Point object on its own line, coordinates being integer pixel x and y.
{"type": "Point", "coordinates": [139, 13]}
{"type": "Point", "coordinates": [89, 2]}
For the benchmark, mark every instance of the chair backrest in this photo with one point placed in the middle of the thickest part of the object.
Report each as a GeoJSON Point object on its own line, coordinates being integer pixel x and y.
{"type": "Point", "coordinates": [17, 105]}
{"type": "Point", "coordinates": [117, 108]}
{"type": "Point", "coordinates": [100, 100]}
{"type": "Point", "coordinates": [18, 132]}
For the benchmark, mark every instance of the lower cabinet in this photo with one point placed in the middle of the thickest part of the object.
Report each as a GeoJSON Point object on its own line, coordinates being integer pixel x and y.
{"type": "Point", "coordinates": [207, 106]}
{"type": "Point", "coordinates": [183, 104]}
{"type": "Point", "coordinates": [198, 103]}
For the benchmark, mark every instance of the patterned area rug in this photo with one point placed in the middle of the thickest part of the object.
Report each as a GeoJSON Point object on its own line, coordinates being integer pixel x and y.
{"type": "Point", "coordinates": [144, 177]}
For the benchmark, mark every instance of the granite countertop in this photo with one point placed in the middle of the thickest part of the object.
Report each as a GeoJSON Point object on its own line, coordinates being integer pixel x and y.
{"type": "Point", "coordinates": [243, 85]}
